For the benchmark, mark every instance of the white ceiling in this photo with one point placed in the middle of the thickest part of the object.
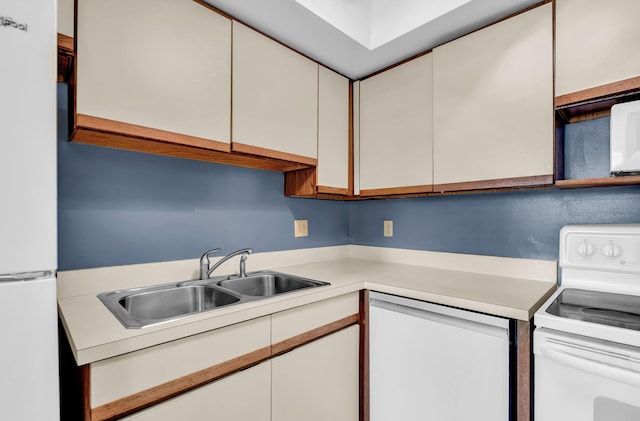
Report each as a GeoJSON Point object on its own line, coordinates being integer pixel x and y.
{"type": "Point", "coordinates": [381, 32]}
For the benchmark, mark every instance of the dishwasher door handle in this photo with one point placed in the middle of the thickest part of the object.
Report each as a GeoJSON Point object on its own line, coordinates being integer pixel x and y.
{"type": "Point", "coordinates": [446, 319]}
{"type": "Point", "coordinates": [592, 366]}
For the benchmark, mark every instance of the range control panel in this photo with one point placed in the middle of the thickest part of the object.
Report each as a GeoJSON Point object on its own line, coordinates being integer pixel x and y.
{"type": "Point", "coordinates": [613, 248]}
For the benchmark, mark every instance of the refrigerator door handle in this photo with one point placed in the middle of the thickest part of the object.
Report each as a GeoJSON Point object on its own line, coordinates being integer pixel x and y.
{"type": "Point", "coordinates": [26, 276]}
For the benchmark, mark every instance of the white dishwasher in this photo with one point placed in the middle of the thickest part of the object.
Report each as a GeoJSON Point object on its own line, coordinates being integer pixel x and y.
{"type": "Point", "coordinates": [432, 362]}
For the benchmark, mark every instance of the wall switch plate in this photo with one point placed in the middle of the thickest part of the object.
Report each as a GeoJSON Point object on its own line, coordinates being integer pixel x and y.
{"type": "Point", "coordinates": [388, 228]}
{"type": "Point", "coordinates": [300, 228]}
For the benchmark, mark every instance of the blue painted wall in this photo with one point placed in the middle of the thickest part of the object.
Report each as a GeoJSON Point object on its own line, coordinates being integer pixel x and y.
{"type": "Point", "coordinates": [118, 207]}
{"type": "Point", "coordinates": [523, 224]}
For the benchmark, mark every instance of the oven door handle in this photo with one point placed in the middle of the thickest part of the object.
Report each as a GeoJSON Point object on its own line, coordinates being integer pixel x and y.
{"type": "Point", "coordinates": [588, 365]}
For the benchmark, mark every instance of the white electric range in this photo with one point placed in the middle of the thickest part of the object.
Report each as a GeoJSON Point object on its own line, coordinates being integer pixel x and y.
{"type": "Point", "coordinates": [587, 337]}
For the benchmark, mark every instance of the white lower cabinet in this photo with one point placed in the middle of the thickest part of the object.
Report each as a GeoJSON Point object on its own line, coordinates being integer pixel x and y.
{"type": "Point", "coordinates": [242, 396]}
{"type": "Point", "coordinates": [318, 381]}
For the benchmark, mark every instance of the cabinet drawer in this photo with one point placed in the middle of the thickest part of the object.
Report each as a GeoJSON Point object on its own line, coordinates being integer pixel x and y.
{"type": "Point", "coordinates": [287, 324]}
{"type": "Point", "coordinates": [121, 376]}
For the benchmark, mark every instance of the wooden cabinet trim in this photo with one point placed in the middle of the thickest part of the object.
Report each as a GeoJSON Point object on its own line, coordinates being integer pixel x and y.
{"type": "Point", "coordinates": [85, 379]}
{"type": "Point", "coordinates": [304, 338]}
{"type": "Point", "coordinates": [300, 183]}
{"type": "Point", "coordinates": [65, 44]}
{"type": "Point", "coordinates": [603, 91]}
{"type": "Point", "coordinates": [168, 390]}
{"type": "Point", "coordinates": [66, 57]}
{"type": "Point", "coordinates": [628, 180]}
{"type": "Point", "coordinates": [213, 9]}
{"type": "Point", "coordinates": [351, 181]}
{"type": "Point", "coordinates": [524, 377]}
{"type": "Point", "coordinates": [533, 181]}
{"type": "Point", "coordinates": [365, 401]}
{"type": "Point", "coordinates": [334, 190]}
{"type": "Point", "coordinates": [132, 130]}
{"type": "Point", "coordinates": [397, 190]}
{"type": "Point", "coordinates": [99, 137]}
{"type": "Point", "coordinates": [255, 150]}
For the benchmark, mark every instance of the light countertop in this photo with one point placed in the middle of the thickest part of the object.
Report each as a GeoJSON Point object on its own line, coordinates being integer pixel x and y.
{"type": "Point", "coordinates": [95, 334]}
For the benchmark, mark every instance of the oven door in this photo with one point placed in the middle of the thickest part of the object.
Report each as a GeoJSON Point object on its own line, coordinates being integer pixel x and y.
{"type": "Point", "coordinates": [579, 379]}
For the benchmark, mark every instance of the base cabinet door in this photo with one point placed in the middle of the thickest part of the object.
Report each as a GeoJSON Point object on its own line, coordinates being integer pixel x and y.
{"type": "Point", "coordinates": [240, 397]}
{"type": "Point", "coordinates": [318, 381]}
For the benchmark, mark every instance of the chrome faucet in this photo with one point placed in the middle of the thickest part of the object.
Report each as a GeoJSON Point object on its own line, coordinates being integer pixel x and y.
{"type": "Point", "coordinates": [205, 270]}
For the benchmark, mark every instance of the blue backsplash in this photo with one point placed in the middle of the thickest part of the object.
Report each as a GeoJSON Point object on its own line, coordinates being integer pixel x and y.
{"type": "Point", "coordinates": [118, 207]}
{"type": "Point", "coordinates": [519, 224]}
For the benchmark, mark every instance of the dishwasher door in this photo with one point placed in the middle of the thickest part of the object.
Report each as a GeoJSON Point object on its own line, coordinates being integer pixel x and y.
{"type": "Point", "coordinates": [431, 362]}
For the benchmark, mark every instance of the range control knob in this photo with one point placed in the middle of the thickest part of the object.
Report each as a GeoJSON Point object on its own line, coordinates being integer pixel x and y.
{"type": "Point", "coordinates": [586, 249]}
{"type": "Point", "coordinates": [611, 250]}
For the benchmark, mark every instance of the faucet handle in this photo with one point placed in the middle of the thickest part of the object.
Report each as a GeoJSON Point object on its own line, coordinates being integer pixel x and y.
{"type": "Point", "coordinates": [204, 262]}
{"type": "Point", "coordinates": [205, 255]}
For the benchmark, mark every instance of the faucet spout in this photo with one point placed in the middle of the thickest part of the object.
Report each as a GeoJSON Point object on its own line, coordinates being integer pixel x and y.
{"type": "Point", "coordinates": [245, 252]}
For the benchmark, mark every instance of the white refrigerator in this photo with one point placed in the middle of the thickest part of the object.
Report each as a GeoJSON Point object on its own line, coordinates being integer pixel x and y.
{"type": "Point", "coordinates": [28, 243]}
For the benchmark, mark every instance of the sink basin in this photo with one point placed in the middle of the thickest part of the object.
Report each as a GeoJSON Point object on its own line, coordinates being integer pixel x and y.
{"type": "Point", "coordinates": [265, 284]}
{"type": "Point", "coordinates": [144, 306]}
{"type": "Point", "coordinates": [140, 307]}
{"type": "Point", "coordinates": [167, 303]}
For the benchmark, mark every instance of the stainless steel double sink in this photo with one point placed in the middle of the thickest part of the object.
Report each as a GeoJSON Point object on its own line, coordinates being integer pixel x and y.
{"type": "Point", "coordinates": [140, 307]}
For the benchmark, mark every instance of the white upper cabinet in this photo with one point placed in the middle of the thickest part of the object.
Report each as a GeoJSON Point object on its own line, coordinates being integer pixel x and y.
{"type": "Point", "coordinates": [396, 129]}
{"type": "Point", "coordinates": [160, 65]}
{"type": "Point", "coordinates": [275, 99]}
{"type": "Point", "coordinates": [596, 43]}
{"type": "Point", "coordinates": [493, 105]}
{"type": "Point", "coordinates": [333, 132]}
{"type": "Point", "coordinates": [65, 17]}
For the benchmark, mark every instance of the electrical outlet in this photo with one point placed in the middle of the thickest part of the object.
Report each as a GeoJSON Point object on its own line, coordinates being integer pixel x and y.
{"type": "Point", "coordinates": [300, 228]}
{"type": "Point", "coordinates": [388, 228]}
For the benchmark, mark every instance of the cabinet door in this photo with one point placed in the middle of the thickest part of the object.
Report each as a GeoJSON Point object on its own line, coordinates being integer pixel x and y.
{"type": "Point", "coordinates": [334, 168]}
{"type": "Point", "coordinates": [65, 17]}
{"type": "Point", "coordinates": [318, 381]}
{"type": "Point", "coordinates": [493, 105]}
{"type": "Point", "coordinates": [396, 130]}
{"type": "Point", "coordinates": [275, 99]}
{"type": "Point", "coordinates": [164, 66]}
{"type": "Point", "coordinates": [596, 43]}
{"type": "Point", "coordinates": [240, 397]}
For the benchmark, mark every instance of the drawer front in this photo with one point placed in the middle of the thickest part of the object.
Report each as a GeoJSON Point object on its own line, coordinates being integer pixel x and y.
{"type": "Point", "coordinates": [121, 376]}
{"type": "Point", "coordinates": [290, 323]}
